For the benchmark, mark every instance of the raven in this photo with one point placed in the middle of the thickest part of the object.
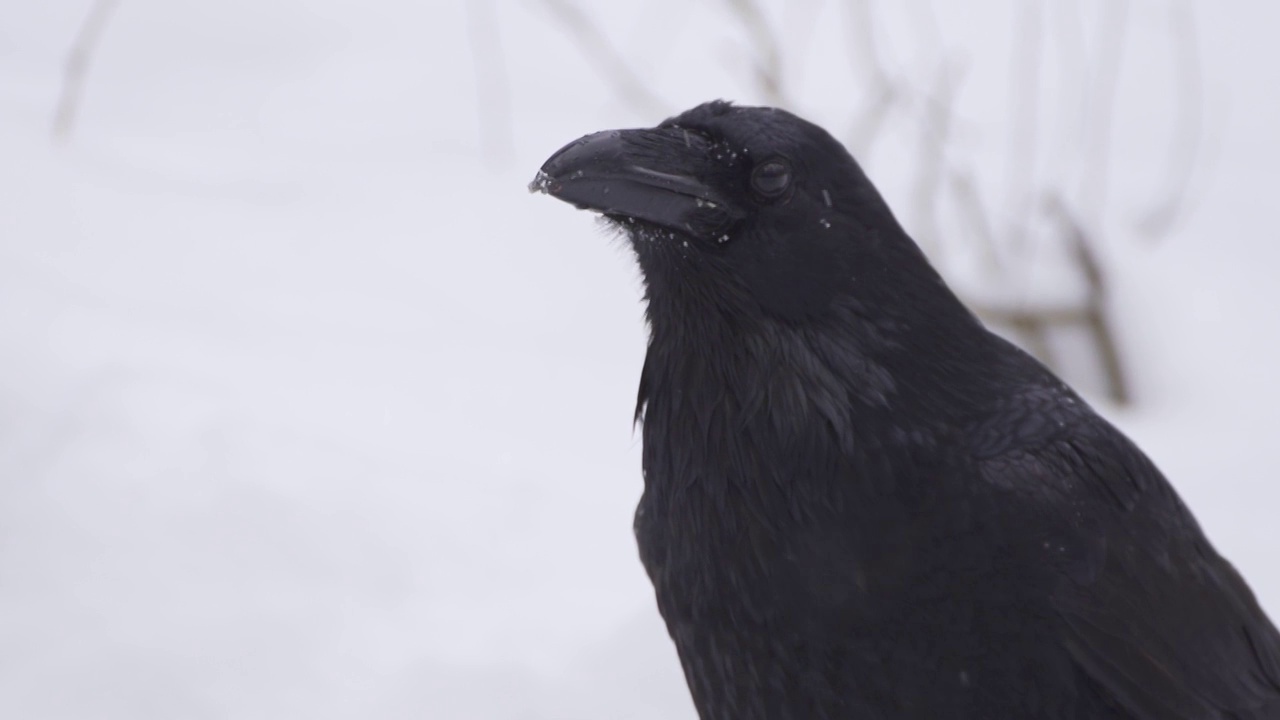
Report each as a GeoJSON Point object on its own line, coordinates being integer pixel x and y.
{"type": "Point", "coordinates": [858, 501]}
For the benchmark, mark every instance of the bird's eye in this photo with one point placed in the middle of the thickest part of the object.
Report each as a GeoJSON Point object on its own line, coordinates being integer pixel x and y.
{"type": "Point", "coordinates": [771, 178]}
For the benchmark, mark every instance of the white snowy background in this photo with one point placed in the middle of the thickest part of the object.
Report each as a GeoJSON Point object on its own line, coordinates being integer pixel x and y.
{"type": "Point", "coordinates": [308, 409]}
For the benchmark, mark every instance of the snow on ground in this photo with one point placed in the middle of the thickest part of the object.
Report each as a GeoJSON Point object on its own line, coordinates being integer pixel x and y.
{"type": "Point", "coordinates": [307, 411]}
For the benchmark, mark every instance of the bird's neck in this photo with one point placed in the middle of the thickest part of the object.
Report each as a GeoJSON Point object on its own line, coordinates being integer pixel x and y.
{"type": "Point", "coordinates": [717, 393]}
{"type": "Point", "coordinates": [849, 361]}
{"type": "Point", "coordinates": [783, 438]}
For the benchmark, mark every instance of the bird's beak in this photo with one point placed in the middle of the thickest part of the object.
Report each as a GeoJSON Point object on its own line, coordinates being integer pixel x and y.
{"type": "Point", "coordinates": [656, 175]}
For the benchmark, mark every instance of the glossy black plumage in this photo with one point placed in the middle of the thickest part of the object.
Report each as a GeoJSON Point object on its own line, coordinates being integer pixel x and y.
{"type": "Point", "coordinates": [859, 503]}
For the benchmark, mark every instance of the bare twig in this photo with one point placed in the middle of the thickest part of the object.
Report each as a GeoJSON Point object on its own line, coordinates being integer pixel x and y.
{"type": "Point", "coordinates": [882, 93]}
{"type": "Point", "coordinates": [935, 134]}
{"type": "Point", "coordinates": [1024, 105]}
{"type": "Point", "coordinates": [605, 58]}
{"type": "Point", "coordinates": [1096, 319]}
{"type": "Point", "coordinates": [493, 96]}
{"type": "Point", "coordinates": [1031, 326]}
{"type": "Point", "coordinates": [800, 24]}
{"type": "Point", "coordinates": [1035, 319]}
{"type": "Point", "coordinates": [1064, 127]}
{"type": "Point", "coordinates": [974, 214]}
{"type": "Point", "coordinates": [1170, 201]}
{"type": "Point", "coordinates": [865, 47]}
{"type": "Point", "coordinates": [79, 58]}
{"type": "Point", "coordinates": [925, 19]}
{"type": "Point", "coordinates": [768, 56]}
{"type": "Point", "coordinates": [1103, 77]}
{"type": "Point", "coordinates": [870, 119]}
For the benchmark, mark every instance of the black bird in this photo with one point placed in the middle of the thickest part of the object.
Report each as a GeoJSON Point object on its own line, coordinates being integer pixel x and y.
{"type": "Point", "coordinates": [860, 503]}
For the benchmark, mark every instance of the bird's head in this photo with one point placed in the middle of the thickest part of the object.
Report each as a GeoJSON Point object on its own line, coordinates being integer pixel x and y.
{"type": "Point", "coordinates": [751, 211]}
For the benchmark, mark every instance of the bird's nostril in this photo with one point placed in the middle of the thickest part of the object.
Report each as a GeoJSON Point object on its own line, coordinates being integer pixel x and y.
{"type": "Point", "coordinates": [543, 183]}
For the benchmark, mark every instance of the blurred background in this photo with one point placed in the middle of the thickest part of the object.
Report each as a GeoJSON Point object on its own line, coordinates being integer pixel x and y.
{"type": "Point", "coordinates": [308, 409]}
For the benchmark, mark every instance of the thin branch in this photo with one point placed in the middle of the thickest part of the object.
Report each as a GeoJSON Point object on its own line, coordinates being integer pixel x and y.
{"type": "Point", "coordinates": [1188, 131]}
{"type": "Point", "coordinates": [882, 93]}
{"type": "Point", "coordinates": [768, 56]}
{"type": "Point", "coordinates": [493, 93]}
{"type": "Point", "coordinates": [865, 128]}
{"type": "Point", "coordinates": [935, 136]}
{"type": "Point", "coordinates": [798, 28]}
{"type": "Point", "coordinates": [1102, 86]}
{"type": "Point", "coordinates": [1024, 102]}
{"type": "Point", "coordinates": [1021, 317]}
{"type": "Point", "coordinates": [1031, 326]}
{"type": "Point", "coordinates": [1096, 318]}
{"type": "Point", "coordinates": [925, 19]}
{"type": "Point", "coordinates": [605, 58]}
{"type": "Point", "coordinates": [79, 59]}
{"type": "Point", "coordinates": [865, 46]}
{"type": "Point", "coordinates": [1063, 137]}
{"type": "Point", "coordinates": [974, 214]}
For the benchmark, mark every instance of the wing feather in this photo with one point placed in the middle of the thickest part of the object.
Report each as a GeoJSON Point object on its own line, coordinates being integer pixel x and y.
{"type": "Point", "coordinates": [1152, 613]}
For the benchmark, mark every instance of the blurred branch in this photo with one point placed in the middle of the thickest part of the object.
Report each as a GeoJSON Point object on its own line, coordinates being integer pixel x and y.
{"type": "Point", "coordinates": [1095, 317]}
{"type": "Point", "coordinates": [974, 214]}
{"type": "Point", "coordinates": [935, 135]}
{"type": "Point", "coordinates": [1030, 325]}
{"type": "Point", "coordinates": [78, 61]}
{"type": "Point", "coordinates": [493, 95]}
{"type": "Point", "coordinates": [882, 92]}
{"type": "Point", "coordinates": [1033, 325]}
{"type": "Point", "coordinates": [768, 59]}
{"type": "Point", "coordinates": [1024, 75]}
{"type": "Point", "coordinates": [605, 58]}
{"type": "Point", "coordinates": [925, 19]}
{"type": "Point", "coordinates": [862, 24]}
{"type": "Point", "coordinates": [1112, 25]}
{"type": "Point", "coordinates": [1184, 148]}
{"type": "Point", "coordinates": [799, 29]}
{"type": "Point", "coordinates": [1062, 143]}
